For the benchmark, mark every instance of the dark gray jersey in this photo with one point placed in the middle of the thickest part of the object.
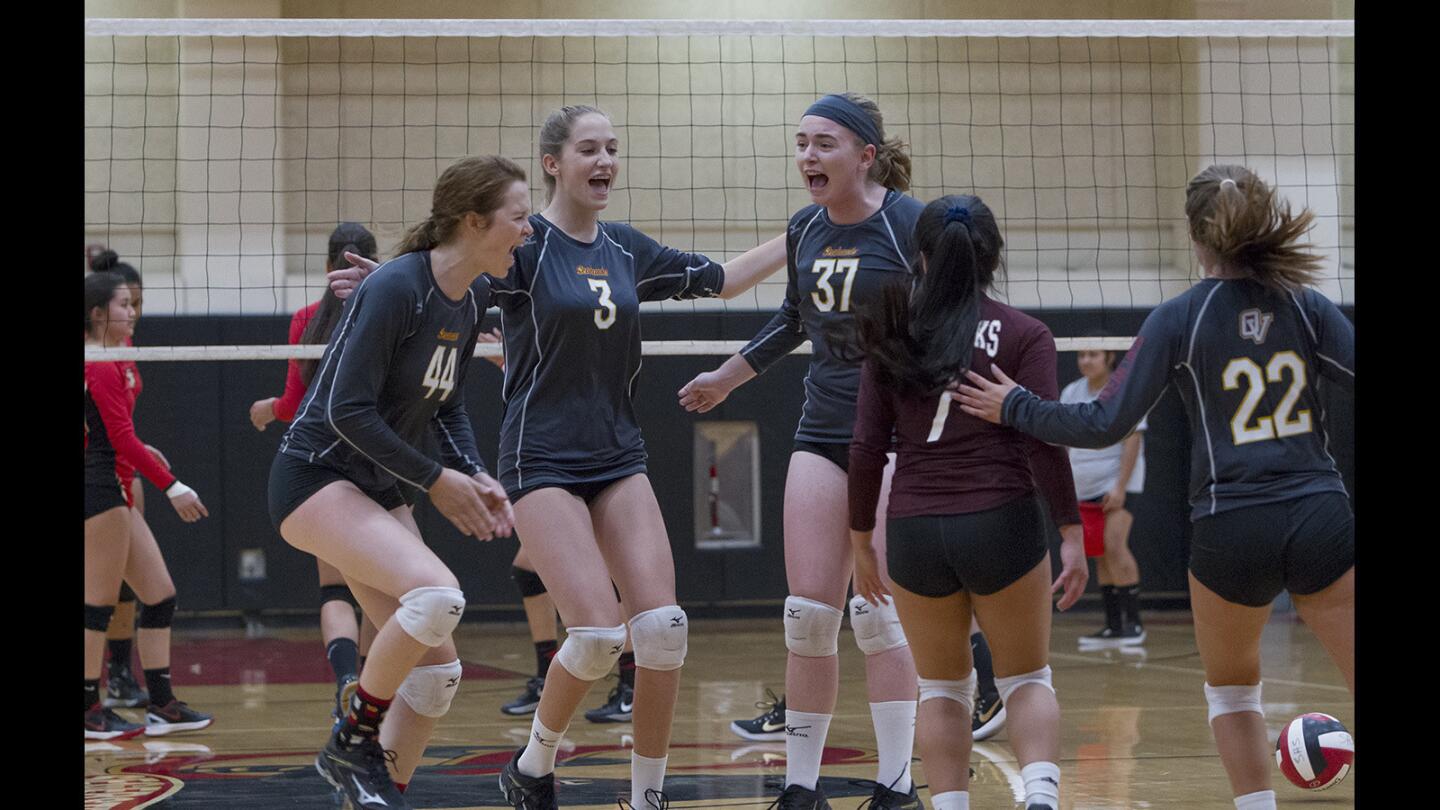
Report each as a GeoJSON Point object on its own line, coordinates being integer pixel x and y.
{"type": "Point", "coordinates": [395, 367]}
{"type": "Point", "coordinates": [570, 314]}
{"type": "Point", "coordinates": [1247, 363]}
{"type": "Point", "coordinates": [832, 269]}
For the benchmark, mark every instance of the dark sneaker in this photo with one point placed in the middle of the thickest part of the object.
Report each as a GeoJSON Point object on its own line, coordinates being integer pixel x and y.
{"type": "Point", "coordinates": [172, 717]}
{"type": "Point", "coordinates": [617, 707]}
{"type": "Point", "coordinates": [1110, 637]}
{"type": "Point", "coordinates": [359, 773]}
{"type": "Point", "coordinates": [1132, 635]}
{"type": "Point", "coordinates": [528, 700]}
{"type": "Point", "coordinates": [886, 799]}
{"type": "Point", "coordinates": [527, 792]}
{"type": "Point", "coordinates": [104, 724]}
{"type": "Point", "coordinates": [770, 725]}
{"type": "Point", "coordinates": [654, 800]}
{"type": "Point", "coordinates": [121, 690]}
{"type": "Point", "coordinates": [795, 797]}
{"type": "Point", "coordinates": [343, 693]}
{"type": "Point", "coordinates": [989, 716]}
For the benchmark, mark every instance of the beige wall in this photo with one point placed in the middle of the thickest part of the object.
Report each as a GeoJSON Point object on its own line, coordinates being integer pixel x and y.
{"type": "Point", "coordinates": [224, 162]}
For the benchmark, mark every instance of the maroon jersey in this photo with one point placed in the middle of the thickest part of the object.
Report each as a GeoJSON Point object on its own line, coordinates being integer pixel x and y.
{"type": "Point", "coordinates": [948, 462]}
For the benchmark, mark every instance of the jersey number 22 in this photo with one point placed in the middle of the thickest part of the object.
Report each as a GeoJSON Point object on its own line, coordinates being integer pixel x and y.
{"type": "Point", "coordinates": [1286, 421]}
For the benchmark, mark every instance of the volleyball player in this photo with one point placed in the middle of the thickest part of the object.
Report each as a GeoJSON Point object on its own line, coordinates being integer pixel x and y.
{"type": "Point", "coordinates": [1103, 478]}
{"type": "Point", "coordinates": [313, 324]}
{"type": "Point", "coordinates": [121, 688]}
{"type": "Point", "coordinates": [853, 242]}
{"type": "Point", "coordinates": [118, 543]}
{"type": "Point", "coordinates": [571, 453]}
{"type": "Point", "coordinates": [1247, 347]}
{"type": "Point", "coordinates": [347, 467]}
{"type": "Point", "coordinates": [965, 530]}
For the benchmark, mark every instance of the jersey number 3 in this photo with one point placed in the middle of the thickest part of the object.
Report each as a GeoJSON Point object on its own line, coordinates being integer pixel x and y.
{"type": "Point", "coordinates": [605, 313]}
{"type": "Point", "coordinates": [1286, 421]}
{"type": "Point", "coordinates": [440, 375]}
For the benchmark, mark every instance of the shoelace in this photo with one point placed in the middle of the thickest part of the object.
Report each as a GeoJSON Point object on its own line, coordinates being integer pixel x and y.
{"type": "Point", "coordinates": [879, 792]}
{"type": "Point", "coordinates": [788, 801]}
{"type": "Point", "coordinates": [540, 795]}
{"type": "Point", "coordinates": [768, 706]}
{"type": "Point", "coordinates": [653, 798]}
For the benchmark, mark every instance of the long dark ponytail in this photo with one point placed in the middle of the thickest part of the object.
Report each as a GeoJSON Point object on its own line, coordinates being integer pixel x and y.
{"type": "Point", "coordinates": [924, 340]}
{"type": "Point", "coordinates": [348, 237]}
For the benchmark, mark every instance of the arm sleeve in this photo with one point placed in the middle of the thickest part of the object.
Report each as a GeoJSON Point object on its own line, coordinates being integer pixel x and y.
{"type": "Point", "coordinates": [663, 272]}
{"type": "Point", "coordinates": [1049, 464]}
{"type": "Point", "coordinates": [1335, 342]}
{"type": "Point", "coordinates": [1125, 400]}
{"type": "Point", "coordinates": [786, 331]}
{"type": "Point", "coordinates": [379, 322]}
{"type": "Point", "coordinates": [107, 388]}
{"type": "Point", "coordinates": [453, 431]}
{"type": "Point", "coordinates": [289, 402]}
{"type": "Point", "coordinates": [874, 425]}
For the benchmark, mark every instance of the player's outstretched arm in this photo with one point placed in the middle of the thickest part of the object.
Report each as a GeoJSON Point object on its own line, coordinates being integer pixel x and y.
{"type": "Point", "coordinates": [712, 387]}
{"type": "Point", "coordinates": [753, 266]}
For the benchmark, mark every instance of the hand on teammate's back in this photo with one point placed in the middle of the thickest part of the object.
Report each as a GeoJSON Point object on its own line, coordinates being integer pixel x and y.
{"type": "Point", "coordinates": [1073, 571]}
{"type": "Point", "coordinates": [344, 280]}
{"type": "Point", "coordinates": [459, 499]}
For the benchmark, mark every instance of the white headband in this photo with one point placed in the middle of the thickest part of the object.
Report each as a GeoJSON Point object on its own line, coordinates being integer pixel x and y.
{"type": "Point", "coordinates": [1227, 181]}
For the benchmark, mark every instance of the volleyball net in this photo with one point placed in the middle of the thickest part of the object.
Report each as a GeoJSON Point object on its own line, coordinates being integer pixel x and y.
{"type": "Point", "coordinates": [219, 154]}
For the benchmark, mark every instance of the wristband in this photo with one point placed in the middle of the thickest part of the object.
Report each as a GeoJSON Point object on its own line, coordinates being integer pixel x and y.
{"type": "Point", "coordinates": [177, 489]}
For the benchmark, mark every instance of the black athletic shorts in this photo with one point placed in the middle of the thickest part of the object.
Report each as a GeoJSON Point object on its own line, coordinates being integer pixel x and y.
{"type": "Point", "coordinates": [1248, 556]}
{"type": "Point", "coordinates": [586, 491]}
{"type": "Point", "coordinates": [981, 552]}
{"type": "Point", "coordinates": [103, 491]}
{"type": "Point", "coordinates": [293, 480]}
{"type": "Point", "coordinates": [837, 452]}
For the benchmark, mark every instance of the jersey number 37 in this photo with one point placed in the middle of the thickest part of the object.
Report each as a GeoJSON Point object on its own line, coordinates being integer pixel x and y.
{"type": "Point", "coordinates": [440, 374]}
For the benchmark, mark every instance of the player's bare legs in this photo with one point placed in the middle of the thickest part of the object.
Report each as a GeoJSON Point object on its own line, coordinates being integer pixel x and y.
{"type": "Point", "coordinates": [1330, 615]}
{"type": "Point", "coordinates": [940, 643]}
{"type": "Point", "coordinates": [539, 609]}
{"type": "Point", "coordinates": [107, 544]}
{"type": "Point", "coordinates": [146, 572]}
{"type": "Point", "coordinates": [337, 617]}
{"type": "Point", "coordinates": [1016, 623]}
{"type": "Point", "coordinates": [1228, 635]}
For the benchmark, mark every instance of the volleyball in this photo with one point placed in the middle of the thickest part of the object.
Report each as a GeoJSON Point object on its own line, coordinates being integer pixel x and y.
{"type": "Point", "coordinates": [1314, 751]}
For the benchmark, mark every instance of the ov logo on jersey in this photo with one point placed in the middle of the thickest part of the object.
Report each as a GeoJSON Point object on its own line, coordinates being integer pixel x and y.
{"type": "Point", "coordinates": [1255, 325]}
{"type": "Point", "coordinates": [987, 337]}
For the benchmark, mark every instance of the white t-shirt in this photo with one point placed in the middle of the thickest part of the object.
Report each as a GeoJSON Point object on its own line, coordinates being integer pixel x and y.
{"type": "Point", "coordinates": [1096, 471]}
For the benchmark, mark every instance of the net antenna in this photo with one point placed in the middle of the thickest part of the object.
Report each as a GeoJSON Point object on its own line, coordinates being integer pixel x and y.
{"type": "Point", "coordinates": [220, 153]}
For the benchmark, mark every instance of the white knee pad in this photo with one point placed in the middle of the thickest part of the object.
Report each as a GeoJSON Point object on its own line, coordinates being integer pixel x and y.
{"type": "Point", "coordinates": [1233, 699]}
{"type": "Point", "coordinates": [429, 690]}
{"type": "Point", "coordinates": [429, 615]}
{"type": "Point", "coordinates": [961, 691]}
{"type": "Point", "coordinates": [877, 629]}
{"type": "Point", "coordinates": [812, 629]}
{"type": "Point", "coordinates": [589, 652]}
{"type": "Point", "coordinates": [660, 637]}
{"type": "Point", "coordinates": [1010, 684]}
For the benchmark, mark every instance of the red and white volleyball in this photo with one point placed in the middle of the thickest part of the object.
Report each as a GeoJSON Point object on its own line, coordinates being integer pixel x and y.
{"type": "Point", "coordinates": [1314, 751]}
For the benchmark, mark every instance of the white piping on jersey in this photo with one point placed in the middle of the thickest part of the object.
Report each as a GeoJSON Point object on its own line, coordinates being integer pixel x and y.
{"type": "Point", "coordinates": [329, 410]}
{"type": "Point", "coordinates": [504, 350]}
{"type": "Point", "coordinates": [1314, 338]}
{"type": "Point", "coordinates": [451, 440]}
{"type": "Point", "coordinates": [539, 357]}
{"type": "Point", "coordinates": [884, 217]}
{"type": "Point", "coordinates": [1200, 395]}
{"type": "Point", "coordinates": [799, 242]}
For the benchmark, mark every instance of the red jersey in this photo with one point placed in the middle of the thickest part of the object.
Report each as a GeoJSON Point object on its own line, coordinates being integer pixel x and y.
{"type": "Point", "coordinates": [289, 402]}
{"type": "Point", "coordinates": [110, 391]}
{"type": "Point", "coordinates": [948, 462]}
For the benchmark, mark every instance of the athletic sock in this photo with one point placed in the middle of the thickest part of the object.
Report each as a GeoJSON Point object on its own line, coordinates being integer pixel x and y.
{"type": "Point", "coordinates": [363, 720]}
{"type": "Point", "coordinates": [92, 693]}
{"type": "Point", "coordinates": [1042, 784]}
{"type": "Point", "coordinates": [984, 669]}
{"type": "Point", "coordinates": [544, 654]}
{"type": "Point", "coordinates": [895, 740]}
{"type": "Point", "coordinates": [952, 800]}
{"type": "Point", "coordinates": [344, 657]}
{"type": "Point", "coordinates": [157, 681]}
{"type": "Point", "coordinates": [646, 773]}
{"type": "Point", "coordinates": [120, 653]}
{"type": "Point", "coordinates": [1130, 603]}
{"type": "Point", "coordinates": [538, 757]}
{"type": "Point", "coordinates": [804, 745]}
{"type": "Point", "coordinates": [1112, 607]}
{"type": "Point", "coordinates": [1259, 800]}
{"type": "Point", "coordinates": [627, 669]}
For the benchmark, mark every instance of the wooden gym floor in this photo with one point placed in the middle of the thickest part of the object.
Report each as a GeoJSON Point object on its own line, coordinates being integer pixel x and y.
{"type": "Point", "coordinates": [1133, 726]}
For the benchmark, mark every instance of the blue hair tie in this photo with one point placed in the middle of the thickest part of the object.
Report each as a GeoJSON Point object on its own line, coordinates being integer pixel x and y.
{"type": "Point", "coordinates": [957, 213]}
